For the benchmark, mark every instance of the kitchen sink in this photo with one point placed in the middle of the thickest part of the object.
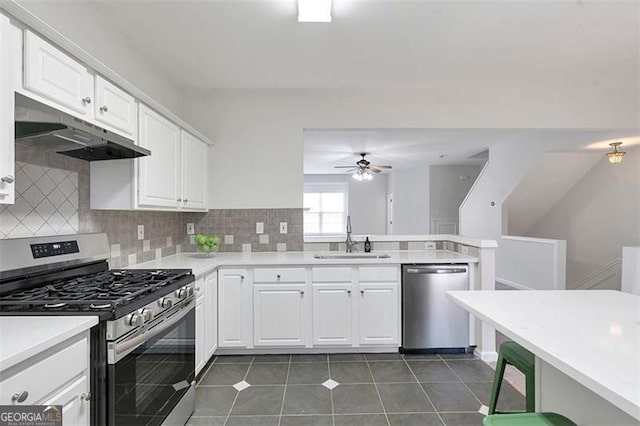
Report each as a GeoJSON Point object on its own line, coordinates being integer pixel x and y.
{"type": "Point", "coordinates": [351, 256]}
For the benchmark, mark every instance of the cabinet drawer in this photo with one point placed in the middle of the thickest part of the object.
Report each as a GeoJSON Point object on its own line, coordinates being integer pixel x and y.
{"type": "Point", "coordinates": [378, 273]}
{"type": "Point", "coordinates": [47, 375]}
{"type": "Point", "coordinates": [279, 275]}
{"type": "Point", "coordinates": [331, 275]}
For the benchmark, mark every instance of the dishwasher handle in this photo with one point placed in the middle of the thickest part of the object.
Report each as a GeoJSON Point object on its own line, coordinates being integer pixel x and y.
{"type": "Point", "coordinates": [436, 269]}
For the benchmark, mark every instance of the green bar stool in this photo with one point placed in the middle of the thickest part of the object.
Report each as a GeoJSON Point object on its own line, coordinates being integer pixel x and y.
{"type": "Point", "coordinates": [527, 419]}
{"type": "Point", "coordinates": [514, 354]}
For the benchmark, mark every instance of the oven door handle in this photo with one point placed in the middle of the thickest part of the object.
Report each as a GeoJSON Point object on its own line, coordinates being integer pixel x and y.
{"type": "Point", "coordinates": [119, 350]}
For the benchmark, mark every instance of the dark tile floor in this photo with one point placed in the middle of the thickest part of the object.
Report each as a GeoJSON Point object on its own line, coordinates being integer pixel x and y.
{"type": "Point", "coordinates": [347, 389]}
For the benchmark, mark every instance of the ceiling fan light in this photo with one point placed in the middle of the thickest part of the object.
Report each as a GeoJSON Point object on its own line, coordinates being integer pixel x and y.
{"type": "Point", "coordinates": [314, 10]}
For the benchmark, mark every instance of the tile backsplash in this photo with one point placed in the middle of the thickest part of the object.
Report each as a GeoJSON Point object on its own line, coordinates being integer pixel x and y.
{"type": "Point", "coordinates": [52, 198]}
{"type": "Point", "coordinates": [46, 203]}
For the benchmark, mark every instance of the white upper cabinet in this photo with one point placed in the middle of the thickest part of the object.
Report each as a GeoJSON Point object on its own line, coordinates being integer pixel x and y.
{"type": "Point", "coordinates": [195, 164]}
{"type": "Point", "coordinates": [159, 173]}
{"type": "Point", "coordinates": [57, 77]}
{"type": "Point", "coordinates": [7, 145]}
{"type": "Point", "coordinates": [114, 107]}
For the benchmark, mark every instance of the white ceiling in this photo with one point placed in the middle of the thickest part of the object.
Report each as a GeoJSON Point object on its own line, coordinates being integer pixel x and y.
{"type": "Point", "coordinates": [400, 148]}
{"type": "Point", "coordinates": [384, 43]}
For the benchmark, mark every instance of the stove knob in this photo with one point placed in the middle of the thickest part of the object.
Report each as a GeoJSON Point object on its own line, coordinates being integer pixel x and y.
{"type": "Point", "coordinates": [189, 291]}
{"type": "Point", "coordinates": [136, 320]}
{"type": "Point", "coordinates": [147, 314]}
{"type": "Point", "coordinates": [165, 303]}
{"type": "Point", "coordinates": [181, 293]}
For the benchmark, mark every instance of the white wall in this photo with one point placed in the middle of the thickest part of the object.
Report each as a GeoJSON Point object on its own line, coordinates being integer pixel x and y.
{"type": "Point", "coordinates": [411, 201]}
{"type": "Point", "coordinates": [81, 23]}
{"type": "Point", "coordinates": [257, 159]}
{"type": "Point", "coordinates": [447, 190]}
{"type": "Point", "coordinates": [509, 162]}
{"type": "Point", "coordinates": [367, 201]}
{"type": "Point", "coordinates": [597, 217]}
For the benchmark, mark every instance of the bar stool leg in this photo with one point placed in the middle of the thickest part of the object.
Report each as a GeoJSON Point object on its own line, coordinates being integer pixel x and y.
{"type": "Point", "coordinates": [530, 381]}
{"type": "Point", "coordinates": [497, 382]}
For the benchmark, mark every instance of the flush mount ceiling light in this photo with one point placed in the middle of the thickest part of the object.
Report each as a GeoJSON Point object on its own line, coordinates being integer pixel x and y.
{"type": "Point", "coordinates": [314, 10]}
{"type": "Point", "coordinates": [615, 155]}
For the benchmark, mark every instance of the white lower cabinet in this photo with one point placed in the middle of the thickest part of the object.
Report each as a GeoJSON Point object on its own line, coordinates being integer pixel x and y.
{"type": "Point", "coordinates": [201, 326]}
{"type": "Point", "coordinates": [332, 314]}
{"type": "Point", "coordinates": [73, 398]}
{"type": "Point", "coordinates": [279, 315]}
{"type": "Point", "coordinates": [379, 313]}
{"type": "Point", "coordinates": [309, 307]}
{"type": "Point", "coordinates": [55, 376]}
{"type": "Point", "coordinates": [211, 314]}
{"type": "Point", "coordinates": [235, 301]}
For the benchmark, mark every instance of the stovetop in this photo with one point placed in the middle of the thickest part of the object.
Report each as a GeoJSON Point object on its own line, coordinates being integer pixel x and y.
{"type": "Point", "coordinates": [112, 292]}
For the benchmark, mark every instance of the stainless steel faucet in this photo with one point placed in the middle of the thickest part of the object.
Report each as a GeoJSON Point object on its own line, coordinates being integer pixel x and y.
{"type": "Point", "coordinates": [349, 242]}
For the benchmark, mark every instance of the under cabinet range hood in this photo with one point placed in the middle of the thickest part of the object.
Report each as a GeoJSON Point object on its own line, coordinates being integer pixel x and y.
{"type": "Point", "coordinates": [45, 128]}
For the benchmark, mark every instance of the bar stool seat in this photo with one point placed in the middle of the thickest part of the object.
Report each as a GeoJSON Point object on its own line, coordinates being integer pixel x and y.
{"type": "Point", "coordinates": [514, 354]}
{"type": "Point", "coordinates": [527, 419]}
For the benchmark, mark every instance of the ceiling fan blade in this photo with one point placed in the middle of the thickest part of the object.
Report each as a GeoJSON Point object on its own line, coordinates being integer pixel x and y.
{"type": "Point", "coordinates": [383, 167]}
{"type": "Point", "coordinates": [373, 169]}
{"type": "Point", "coordinates": [344, 167]}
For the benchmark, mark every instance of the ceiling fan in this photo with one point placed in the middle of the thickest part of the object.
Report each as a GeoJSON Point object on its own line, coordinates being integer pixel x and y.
{"type": "Point", "coordinates": [363, 165]}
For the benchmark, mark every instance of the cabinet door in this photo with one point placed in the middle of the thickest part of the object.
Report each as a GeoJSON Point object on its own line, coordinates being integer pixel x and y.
{"type": "Point", "coordinates": [201, 337]}
{"type": "Point", "coordinates": [232, 308]}
{"type": "Point", "coordinates": [57, 77]}
{"type": "Point", "coordinates": [332, 314]}
{"type": "Point", "coordinates": [158, 174]}
{"type": "Point", "coordinates": [279, 315]}
{"type": "Point", "coordinates": [195, 172]}
{"type": "Point", "coordinates": [379, 313]}
{"type": "Point", "coordinates": [211, 304]}
{"type": "Point", "coordinates": [7, 107]}
{"type": "Point", "coordinates": [75, 408]}
{"type": "Point", "coordinates": [115, 107]}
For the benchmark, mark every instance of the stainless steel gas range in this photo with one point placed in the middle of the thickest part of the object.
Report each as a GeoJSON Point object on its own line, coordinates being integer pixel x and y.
{"type": "Point", "coordinates": [142, 350]}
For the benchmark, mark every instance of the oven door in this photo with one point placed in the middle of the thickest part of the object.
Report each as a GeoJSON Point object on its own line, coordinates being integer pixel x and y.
{"type": "Point", "coordinates": [151, 374]}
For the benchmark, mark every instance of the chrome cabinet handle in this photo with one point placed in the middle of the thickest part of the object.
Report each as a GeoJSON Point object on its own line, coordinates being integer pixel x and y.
{"type": "Point", "coordinates": [186, 201]}
{"type": "Point", "coordinates": [348, 291]}
{"type": "Point", "coordinates": [178, 199]}
{"type": "Point", "coordinates": [7, 179]}
{"type": "Point", "coordinates": [104, 108]}
{"type": "Point", "coordinates": [301, 292]}
{"type": "Point", "coordinates": [86, 100]}
{"type": "Point", "coordinates": [86, 396]}
{"type": "Point", "coordinates": [242, 277]}
{"type": "Point", "coordinates": [20, 396]}
{"type": "Point", "coordinates": [278, 276]}
{"type": "Point", "coordinates": [362, 292]}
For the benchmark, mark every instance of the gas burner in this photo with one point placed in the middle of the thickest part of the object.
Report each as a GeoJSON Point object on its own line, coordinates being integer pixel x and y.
{"type": "Point", "coordinates": [55, 305]}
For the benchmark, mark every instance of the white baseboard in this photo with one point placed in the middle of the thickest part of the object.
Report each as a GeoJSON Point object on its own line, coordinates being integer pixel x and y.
{"type": "Point", "coordinates": [512, 284]}
{"type": "Point", "coordinates": [487, 356]}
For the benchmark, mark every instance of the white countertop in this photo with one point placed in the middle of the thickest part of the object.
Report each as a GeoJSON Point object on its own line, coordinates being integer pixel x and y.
{"type": "Point", "coordinates": [24, 336]}
{"type": "Point", "coordinates": [200, 264]}
{"type": "Point", "coordinates": [591, 336]}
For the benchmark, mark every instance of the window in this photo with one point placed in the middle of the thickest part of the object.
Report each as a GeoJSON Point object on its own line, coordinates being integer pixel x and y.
{"type": "Point", "coordinates": [325, 209]}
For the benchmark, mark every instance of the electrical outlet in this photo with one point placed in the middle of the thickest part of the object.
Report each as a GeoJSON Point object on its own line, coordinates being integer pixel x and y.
{"type": "Point", "coordinates": [431, 245]}
{"type": "Point", "coordinates": [283, 227]}
{"type": "Point", "coordinates": [464, 249]}
{"type": "Point", "coordinates": [191, 229]}
{"type": "Point", "coordinates": [192, 239]}
{"type": "Point", "coordinates": [259, 227]}
{"type": "Point", "coordinates": [141, 232]}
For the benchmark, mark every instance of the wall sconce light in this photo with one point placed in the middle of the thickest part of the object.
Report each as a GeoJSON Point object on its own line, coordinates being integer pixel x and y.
{"type": "Point", "coordinates": [615, 155]}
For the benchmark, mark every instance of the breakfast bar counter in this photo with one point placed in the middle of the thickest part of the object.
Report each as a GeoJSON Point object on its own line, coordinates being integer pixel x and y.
{"type": "Point", "coordinates": [586, 343]}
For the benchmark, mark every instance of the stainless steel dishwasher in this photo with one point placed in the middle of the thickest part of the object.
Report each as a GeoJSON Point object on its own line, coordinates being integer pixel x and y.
{"type": "Point", "coordinates": [430, 321]}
